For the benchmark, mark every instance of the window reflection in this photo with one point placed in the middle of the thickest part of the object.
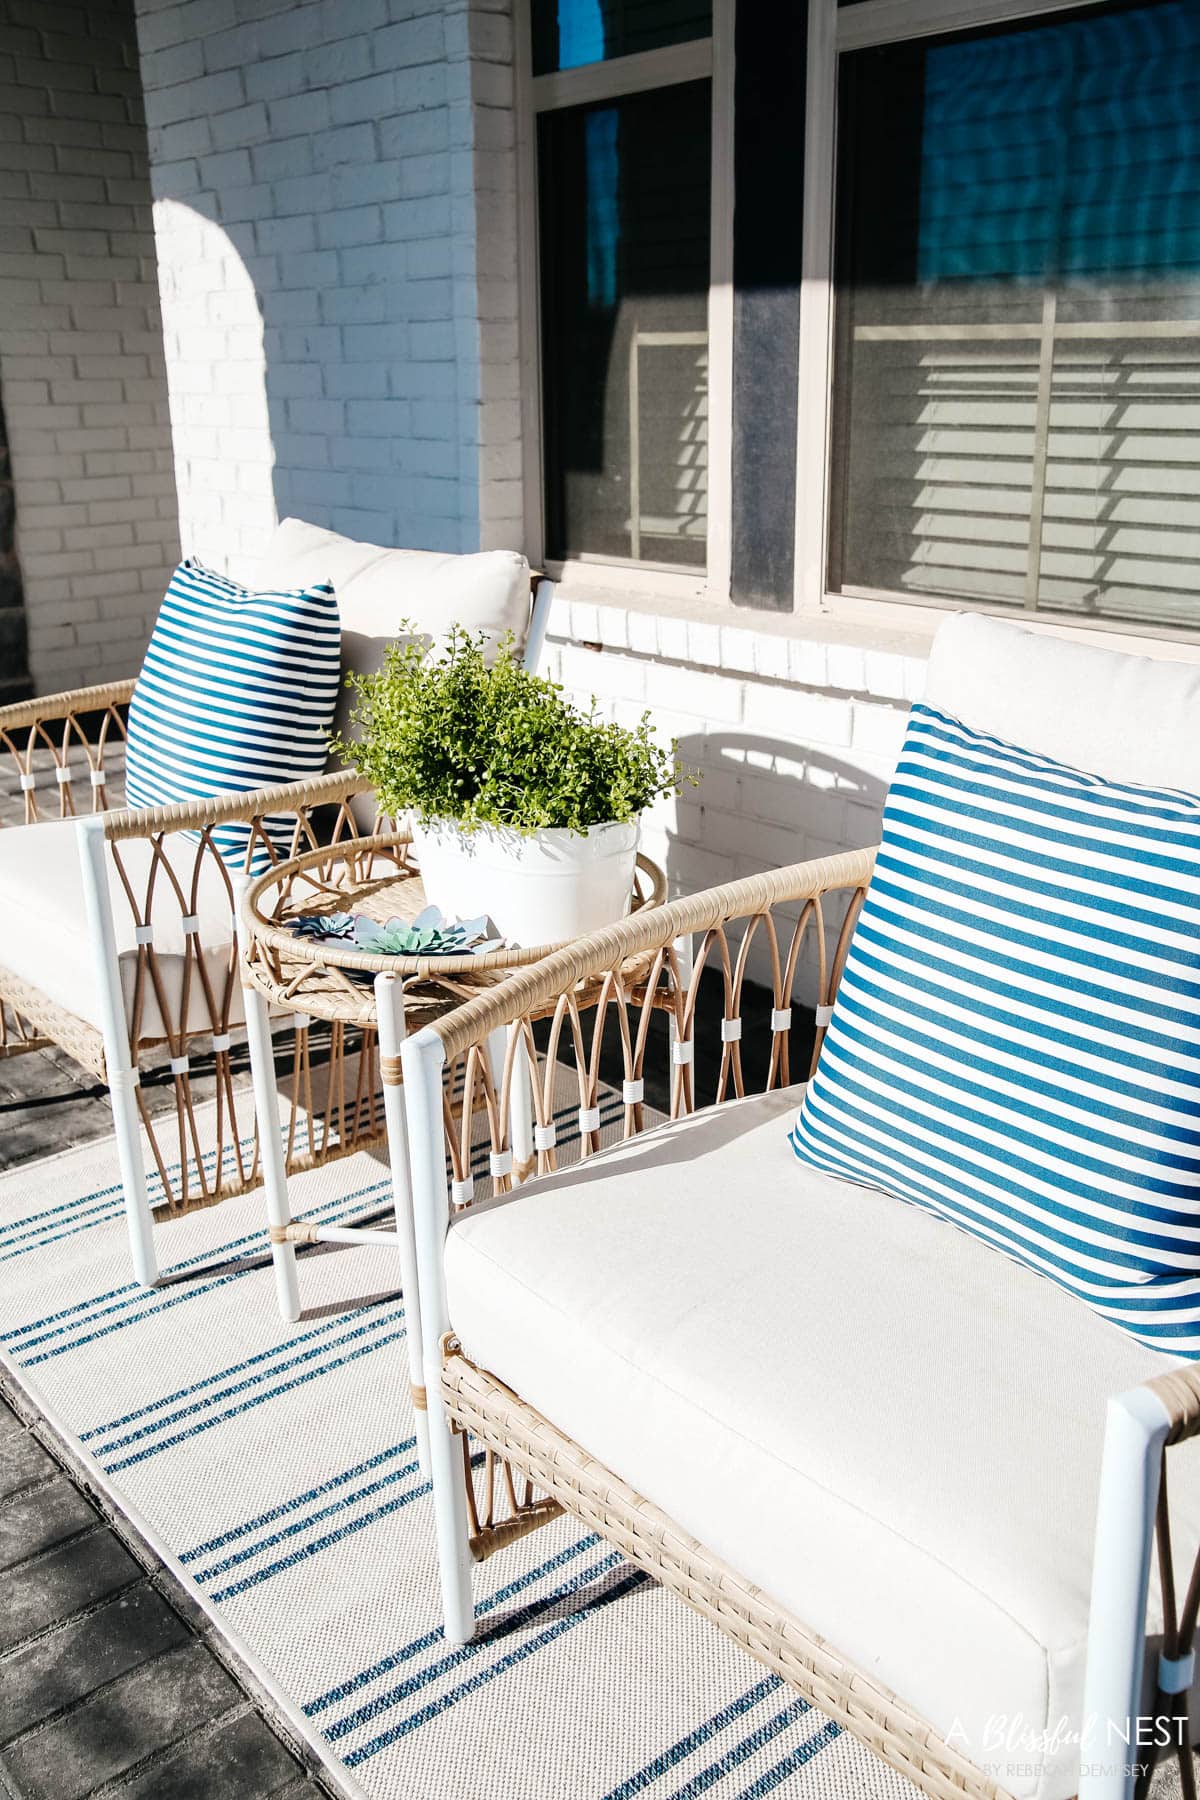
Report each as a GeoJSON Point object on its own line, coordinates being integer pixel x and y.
{"type": "Point", "coordinates": [1017, 391]}
{"type": "Point", "coordinates": [624, 232]}
{"type": "Point", "coordinates": [569, 33]}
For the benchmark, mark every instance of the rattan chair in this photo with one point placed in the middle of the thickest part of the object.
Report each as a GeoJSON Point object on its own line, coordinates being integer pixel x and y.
{"type": "Point", "coordinates": [117, 929]}
{"type": "Point", "coordinates": [887, 1461]}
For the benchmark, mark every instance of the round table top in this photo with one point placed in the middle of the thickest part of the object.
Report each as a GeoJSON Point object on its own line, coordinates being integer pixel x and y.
{"type": "Point", "coordinates": [331, 978]}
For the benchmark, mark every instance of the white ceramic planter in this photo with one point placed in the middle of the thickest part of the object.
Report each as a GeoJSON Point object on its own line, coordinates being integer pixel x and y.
{"type": "Point", "coordinates": [542, 889]}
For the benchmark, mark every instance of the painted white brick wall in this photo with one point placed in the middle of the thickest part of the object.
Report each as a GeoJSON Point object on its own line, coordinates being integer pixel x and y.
{"type": "Point", "coordinates": [81, 361]}
{"type": "Point", "coordinates": [794, 737]}
{"type": "Point", "coordinates": [338, 291]}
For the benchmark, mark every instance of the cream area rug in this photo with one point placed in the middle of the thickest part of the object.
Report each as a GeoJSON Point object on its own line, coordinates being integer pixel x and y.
{"type": "Point", "coordinates": [275, 1467]}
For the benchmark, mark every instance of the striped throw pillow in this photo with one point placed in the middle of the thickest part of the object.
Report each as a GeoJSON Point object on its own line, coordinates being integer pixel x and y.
{"type": "Point", "coordinates": [237, 692]}
{"type": "Point", "coordinates": [1016, 1040]}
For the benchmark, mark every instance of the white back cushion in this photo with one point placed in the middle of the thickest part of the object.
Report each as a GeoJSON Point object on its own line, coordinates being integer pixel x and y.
{"type": "Point", "coordinates": [1128, 718]}
{"type": "Point", "coordinates": [376, 588]}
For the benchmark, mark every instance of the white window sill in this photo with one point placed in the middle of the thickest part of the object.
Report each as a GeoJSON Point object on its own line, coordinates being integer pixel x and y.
{"type": "Point", "coordinates": [825, 648]}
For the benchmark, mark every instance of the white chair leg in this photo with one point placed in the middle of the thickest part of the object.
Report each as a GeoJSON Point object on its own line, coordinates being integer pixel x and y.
{"type": "Point", "coordinates": [450, 1524]}
{"type": "Point", "coordinates": [139, 1220]}
{"type": "Point", "coordinates": [423, 1063]}
{"type": "Point", "coordinates": [1135, 1432]}
{"type": "Point", "coordinates": [389, 1008]}
{"type": "Point", "coordinates": [119, 1067]}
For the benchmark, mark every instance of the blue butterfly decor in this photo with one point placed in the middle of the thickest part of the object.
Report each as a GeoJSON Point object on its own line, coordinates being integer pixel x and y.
{"type": "Point", "coordinates": [429, 934]}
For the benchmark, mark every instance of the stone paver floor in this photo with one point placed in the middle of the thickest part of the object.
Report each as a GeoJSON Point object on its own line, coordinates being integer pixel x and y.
{"type": "Point", "coordinates": [112, 1681]}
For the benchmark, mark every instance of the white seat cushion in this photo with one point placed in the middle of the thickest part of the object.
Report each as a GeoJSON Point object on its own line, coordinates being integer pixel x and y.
{"type": "Point", "coordinates": [886, 1426]}
{"type": "Point", "coordinates": [376, 588]}
{"type": "Point", "coordinates": [44, 935]}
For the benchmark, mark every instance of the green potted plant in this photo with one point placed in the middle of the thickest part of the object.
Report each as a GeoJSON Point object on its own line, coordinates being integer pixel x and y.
{"type": "Point", "coordinates": [523, 806]}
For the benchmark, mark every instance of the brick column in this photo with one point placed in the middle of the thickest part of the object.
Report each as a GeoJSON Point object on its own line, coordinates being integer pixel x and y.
{"type": "Point", "coordinates": [81, 356]}
{"type": "Point", "coordinates": [14, 669]}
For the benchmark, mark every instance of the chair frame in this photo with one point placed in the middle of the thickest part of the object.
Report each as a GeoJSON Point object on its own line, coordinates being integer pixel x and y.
{"type": "Point", "coordinates": [66, 740]}
{"type": "Point", "coordinates": [532, 1471]}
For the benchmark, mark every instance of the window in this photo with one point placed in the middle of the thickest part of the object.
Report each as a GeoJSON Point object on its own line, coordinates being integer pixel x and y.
{"type": "Point", "coordinates": [1016, 324]}
{"type": "Point", "coordinates": [624, 218]}
{"type": "Point", "coordinates": [998, 321]}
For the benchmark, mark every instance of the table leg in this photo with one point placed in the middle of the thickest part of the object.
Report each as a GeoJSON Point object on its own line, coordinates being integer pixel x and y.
{"type": "Point", "coordinates": [270, 1148]}
{"type": "Point", "coordinates": [523, 1077]}
{"type": "Point", "coordinates": [389, 1007]}
{"type": "Point", "coordinates": [266, 1113]}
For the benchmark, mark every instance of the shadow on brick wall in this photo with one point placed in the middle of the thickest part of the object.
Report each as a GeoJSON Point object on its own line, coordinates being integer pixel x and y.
{"type": "Point", "coordinates": [300, 392]}
{"type": "Point", "coordinates": [762, 803]}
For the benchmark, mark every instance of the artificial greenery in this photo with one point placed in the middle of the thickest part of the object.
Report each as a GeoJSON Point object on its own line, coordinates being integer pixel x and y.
{"type": "Point", "coordinates": [485, 742]}
{"type": "Point", "coordinates": [429, 934]}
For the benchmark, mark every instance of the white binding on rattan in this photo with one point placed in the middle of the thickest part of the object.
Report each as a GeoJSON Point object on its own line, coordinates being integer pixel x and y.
{"type": "Point", "coordinates": [62, 774]}
{"type": "Point", "coordinates": [589, 1119]}
{"type": "Point", "coordinates": [500, 1162]}
{"type": "Point", "coordinates": [781, 1018]}
{"type": "Point", "coordinates": [683, 1050]}
{"type": "Point", "coordinates": [301, 1021]}
{"type": "Point", "coordinates": [463, 1192]}
{"type": "Point", "coordinates": [1176, 1673]}
{"type": "Point", "coordinates": [179, 1065]}
{"type": "Point", "coordinates": [97, 777]}
{"type": "Point", "coordinates": [731, 1030]}
{"type": "Point", "coordinates": [222, 1040]}
{"type": "Point", "coordinates": [28, 781]}
{"type": "Point", "coordinates": [190, 924]}
{"type": "Point", "coordinates": [633, 1092]}
{"type": "Point", "coordinates": [122, 1081]}
{"type": "Point", "coordinates": [544, 1137]}
{"type": "Point", "coordinates": [824, 1014]}
{"type": "Point", "coordinates": [143, 934]}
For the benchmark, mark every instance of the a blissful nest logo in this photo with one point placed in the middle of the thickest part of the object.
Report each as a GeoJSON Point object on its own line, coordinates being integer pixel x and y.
{"type": "Point", "coordinates": [1007, 1738]}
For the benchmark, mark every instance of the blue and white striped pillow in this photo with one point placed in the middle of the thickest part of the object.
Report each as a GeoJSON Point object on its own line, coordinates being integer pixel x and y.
{"type": "Point", "coordinates": [237, 692]}
{"type": "Point", "coordinates": [1016, 1040]}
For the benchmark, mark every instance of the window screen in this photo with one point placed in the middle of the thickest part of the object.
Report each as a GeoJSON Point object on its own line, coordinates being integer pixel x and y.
{"type": "Point", "coordinates": [1017, 377]}
{"type": "Point", "coordinates": [624, 243]}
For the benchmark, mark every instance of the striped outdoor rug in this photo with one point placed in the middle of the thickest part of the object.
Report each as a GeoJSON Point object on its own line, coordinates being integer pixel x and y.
{"type": "Point", "coordinates": [277, 1465]}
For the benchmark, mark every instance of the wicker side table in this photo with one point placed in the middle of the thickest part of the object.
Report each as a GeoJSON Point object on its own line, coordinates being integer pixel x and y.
{"type": "Point", "coordinates": [332, 979]}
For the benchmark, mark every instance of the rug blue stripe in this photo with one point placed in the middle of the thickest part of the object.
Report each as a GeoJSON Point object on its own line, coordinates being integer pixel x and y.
{"type": "Point", "coordinates": [157, 1300]}
{"type": "Point", "coordinates": [740, 1753]}
{"type": "Point", "coordinates": [796, 1759]}
{"type": "Point", "coordinates": [387, 1315]}
{"type": "Point", "coordinates": [344, 1689]}
{"type": "Point", "coordinates": [114, 1210]}
{"type": "Point", "coordinates": [685, 1747]}
{"type": "Point", "coordinates": [465, 1653]}
{"type": "Point", "coordinates": [236, 1558]}
{"type": "Point", "coordinates": [158, 1196]}
{"type": "Point", "coordinates": [245, 1406]}
{"type": "Point", "coordinates": [467, 1688]}
{"type": "Point", "coordinates": [115, 1206]}
{"type": "Point", "coordinates": [326, 1542]}
{"type": "Point", "coordinates": [286, 1506]}
{"type": "Point", "coordinates": [34, 1219]}
{"type": "Point", "coordinates": [200, 1260]}
{"type": "Point", "coordinates": [249, 1362]}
